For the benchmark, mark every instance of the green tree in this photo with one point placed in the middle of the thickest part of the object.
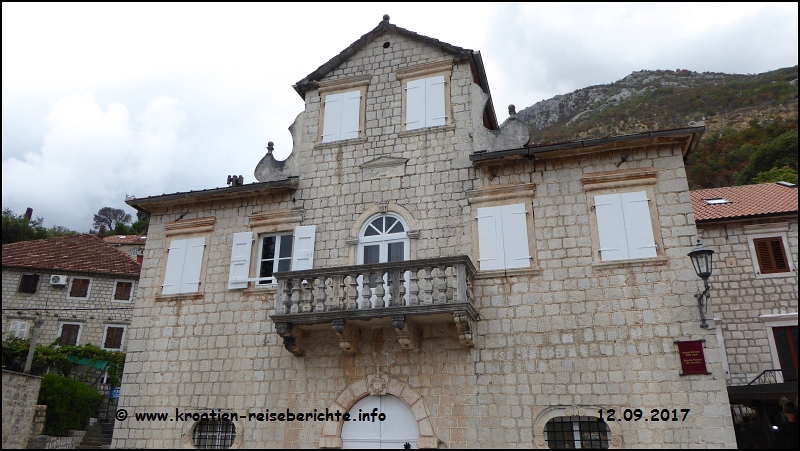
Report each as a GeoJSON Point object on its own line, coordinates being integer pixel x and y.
{"type": "Point", "coordinates": [110, 217]}
{"type": "Point", "coordinates": [17, 228]}
{"type": "Point", "coordinates": [70, 404]}
{"type": "Point", "coordinates": [141, 225]}
{"type": "Point", "coordinates": [775, 153]}
{"type": "Point", "coordinates": [784, 174]}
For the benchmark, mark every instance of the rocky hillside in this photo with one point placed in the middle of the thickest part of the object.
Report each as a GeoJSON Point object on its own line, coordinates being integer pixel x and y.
{"type": "Point", "coordinates": [751, 120]}
{"type": "Point", "coordinates": [661, 99]}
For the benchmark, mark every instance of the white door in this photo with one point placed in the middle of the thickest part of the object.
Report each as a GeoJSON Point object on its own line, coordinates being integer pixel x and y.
{"type": "Point", "coordinates": [398, 427]}
{"type": "Point", "coordinates": [383, 239]}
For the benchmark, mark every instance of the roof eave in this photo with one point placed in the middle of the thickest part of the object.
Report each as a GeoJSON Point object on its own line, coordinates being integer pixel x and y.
{"type": "Point", "coordinates": [790, 214]}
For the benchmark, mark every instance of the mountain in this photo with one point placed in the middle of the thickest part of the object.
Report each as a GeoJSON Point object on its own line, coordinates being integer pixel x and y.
{"type": "Point", "coordinates": [740, 111]}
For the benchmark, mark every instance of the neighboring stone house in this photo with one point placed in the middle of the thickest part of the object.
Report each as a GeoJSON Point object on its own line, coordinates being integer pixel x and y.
{"type": "Point", "coordinates": [132, 245]}
{"type": "Point", "coordinates": [753, 231]}
{"type": "Point", "coordinates": [415, 257]}
{"type": "Point", "coordinates": [82, 288]}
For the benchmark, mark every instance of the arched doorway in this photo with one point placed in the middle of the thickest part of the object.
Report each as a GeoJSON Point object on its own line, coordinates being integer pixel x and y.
{"type": "Point", "coordinates": [398, 428]}
{"type": "Point", "coordinates": [383, 239]}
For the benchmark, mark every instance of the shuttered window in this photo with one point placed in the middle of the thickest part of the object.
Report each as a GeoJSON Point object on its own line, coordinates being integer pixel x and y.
{"type": "Point", "coordinates": [123, 291]}
{"type": "Point", "coordinates": [79, 287]}
{"type": "Point", "coordinates": [184, 264]}
{"type": "Point", "coordinates": [503, 237]}
{"type": "Point", "coordinates": [28, 283]}
{"type": "Point", "coordinates": [70, 334]}
{"type": "Point", "coordinates": [113, 337]}
{"type": "Point", "coordinates": [624, 226]}
{"type": "Point", "coordinates": [18, 329]}
{"type": "Point", "coordinates": [771, 256]}
{"type": "Point", "coordinates": [425, 103]}
{"type": "Point", "coordinates": [342, 116]}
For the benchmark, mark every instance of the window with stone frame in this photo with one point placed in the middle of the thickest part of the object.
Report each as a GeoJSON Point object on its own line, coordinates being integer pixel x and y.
{"type": "Point", "coordinates": [770, 255]}
{"type": "Point", "coordinates": [28, 283]}
{"type": "Point", "coordinates": [624, 226]}
{"type": "Point", "coordinates": [79, 287]}
{"type": "Point", "coordinates": [114, 337]}
{"type": "Point", "coordinates": [213, 434]}
{"type": "Point", "coordinates": [18, 329]}
{"type": "Point", "coordinates": [69, 334]}
{"type": "Point", "coordinates": [123, 290]}
{"type": "Point", "coordinates": [184, 266]}
{"type": "Point", "coordinates": [274, 255]}
{"type": "Point", "coordinates": [577, 433]}
{"type": "Point", "coordinates": [503, 237]}
{"type": "Point", "coordinates": [342, 116]}
{"type": "Point", "coordinates": [425, 103]}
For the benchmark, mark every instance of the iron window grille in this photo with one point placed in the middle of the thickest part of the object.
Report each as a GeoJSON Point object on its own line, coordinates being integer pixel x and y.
{"type": "Point", "coordinates": [214, 434]}
{"type": "Point", "coordinates": [577, 433]}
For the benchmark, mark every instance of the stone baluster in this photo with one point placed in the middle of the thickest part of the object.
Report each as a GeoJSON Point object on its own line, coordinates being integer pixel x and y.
{"type": "Point", "coordinates": [380, 292]}
{"type": "Point", "coordinates": [319, 306]}
{"type": "Point", "coordinates": [413, 287]}
{"type": "Point", "coordinates": [307, 295]}
{"type": "Point", "coordinates": [427, 286]}
{"type": "Point", "coordinates": [295, 308]}
{"type": "Point", "coordinates": [366, 291]}
{"type": "Point", "coordinates": [352, 293]}
{"type": "Point", "coordinates": [341, 292]}
{"type": "Point", "coordinates": [451, 284]}
{"type": "Point", "coordinates": [401, 289]}
{"type": "Point", "coordinates": [282, 298]}
{"type": "Point", "coordinates": [441, 281]}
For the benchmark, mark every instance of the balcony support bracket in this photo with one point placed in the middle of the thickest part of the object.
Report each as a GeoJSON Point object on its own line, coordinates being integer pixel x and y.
{"type": "Point", "coordinates": [408, 334]}
{"type": "Point", "coordinates": [348, 335]}
{"type": "Point", "coordinates": [292, 338]}
{"type": "Point", "coordinates": [465, 326]}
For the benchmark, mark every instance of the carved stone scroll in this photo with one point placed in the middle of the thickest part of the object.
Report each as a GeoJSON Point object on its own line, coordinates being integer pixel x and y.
{"type": "Point", "coordinates": [348, 334]}
{"type": "Point", "coordinates": [465, 327]}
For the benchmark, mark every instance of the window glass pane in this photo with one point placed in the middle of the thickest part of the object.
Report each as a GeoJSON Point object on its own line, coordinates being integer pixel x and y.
{"type": "Point", "coordinates": [268, 248]}
{"type": "Point", "coordinates": [372, 254]}
{"type": "Point", "coordinates": [375, 228]}
{"type": "Point", "coordinates": [397, 228]}
{"type": "Point", "coordinates": [396, 253]}
{"type": "Point", "coordinates": [286, 246]}
{"type": "Point", "coordinates": [284, 265]}
{"type": "Point", "coordinates": [389, 222]}
{"type": "Point", "coordinates": [576, 432]}
{"type": "Point", "coordinates": [266, 269]}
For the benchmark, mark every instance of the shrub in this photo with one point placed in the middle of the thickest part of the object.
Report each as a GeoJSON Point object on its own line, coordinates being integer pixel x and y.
{"type": "Point", "coordinates": [70, 404]}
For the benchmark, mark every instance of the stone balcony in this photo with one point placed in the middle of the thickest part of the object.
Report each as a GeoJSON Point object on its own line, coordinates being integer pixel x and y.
{"type": "Point", "coordinates": [403, 295]}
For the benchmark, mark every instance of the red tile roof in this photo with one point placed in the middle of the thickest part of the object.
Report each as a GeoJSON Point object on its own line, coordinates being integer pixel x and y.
{"type": "Point", "coordinates": [748, 200]}
{"type": "Point", "coordinates": [85, 253]}
{"type": "Point", "coordinates": [125, 239]}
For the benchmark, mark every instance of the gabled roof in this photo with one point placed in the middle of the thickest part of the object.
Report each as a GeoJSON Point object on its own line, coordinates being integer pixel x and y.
{"type": "Point", "coordinates": [744, 201]}
{"type": "Point", "coordinates": [125, 239]}
{"type": "Point", "coordinates": [85, 253]}
{"type": "Point", "coordinates": [384, 26]}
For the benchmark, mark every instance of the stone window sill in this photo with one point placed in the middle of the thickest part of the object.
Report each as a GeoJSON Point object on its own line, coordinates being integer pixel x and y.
{"type": "Point", "coordinates": [654, 261]}
{"type": "Point", "coordinates": [345, 142]}
{"type": "Point", "coordinates": [425, 130]}
{"type": "Point", "coordinates": [263, 289]}
{"type": "Point", "coordinates": [508, 273]}
{"type": "Point", "coordinates": [179, 297]}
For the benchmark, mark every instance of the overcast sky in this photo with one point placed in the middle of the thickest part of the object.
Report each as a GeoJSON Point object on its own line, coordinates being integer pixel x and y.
{"type": "Point", "coordinates": [100, 101]}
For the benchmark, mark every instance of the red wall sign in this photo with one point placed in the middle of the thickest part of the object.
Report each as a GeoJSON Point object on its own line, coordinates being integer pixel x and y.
{"type": "Point", "coordinates": [693, 360]}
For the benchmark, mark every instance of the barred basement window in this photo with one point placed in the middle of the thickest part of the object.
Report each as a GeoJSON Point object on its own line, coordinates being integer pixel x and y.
{"type": "Point", "coordinates": [576, 432]}
{"type": "Point", "coordinates": [214, 434]}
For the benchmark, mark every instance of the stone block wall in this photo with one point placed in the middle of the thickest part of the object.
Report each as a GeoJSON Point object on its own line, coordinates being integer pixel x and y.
{"type": "Point", "coordinates": [99, 309]}
{"type": "Point", "coordinates": [20, 392]}
{"type": "Point", "coordinates": [740, 298]}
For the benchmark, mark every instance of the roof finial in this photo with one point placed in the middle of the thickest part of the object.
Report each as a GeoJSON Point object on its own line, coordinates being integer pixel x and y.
{"type": "Point", "coordinates": [270, 147]}
{"type": "Point", "coordinates": [512, 111]}
{"type": "Point", "coordinates": [385, 17]}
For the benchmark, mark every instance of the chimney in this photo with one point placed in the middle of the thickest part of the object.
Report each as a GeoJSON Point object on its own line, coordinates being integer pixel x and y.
{"type": "Point", "coordinates": [28, 214]}
{"type": "Point", "coordinates": [102, 232]}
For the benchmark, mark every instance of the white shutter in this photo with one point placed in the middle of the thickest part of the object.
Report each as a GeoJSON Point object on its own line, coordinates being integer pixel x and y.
{"type": "Point", "coordinates": [175, 257]}
{"type": "Point", "coordinates": [240, 260]}
{"type": "Point", "coordinates": [415, 104]}
{"type": "Point", "coordinates": [332, 124]}
{"type": "Point", "coordinates": [638, 228]}
{"type": "Point", "coordinates": [22, 331]}
{"type": "Point", "coordinates": [434, 101]}
{"type": "Point", "coordinates": [515, 236]}
{"type": "Point", "coordinates": [190, 281]}
{"type": "Point", "coordinates": [351, 105]}
{"type": "Point", "coordinates": [490, 239]}
{"type": "Point", "coordinates": [611, 227]}
{"type": "Point", "coordinates": [303, 249]}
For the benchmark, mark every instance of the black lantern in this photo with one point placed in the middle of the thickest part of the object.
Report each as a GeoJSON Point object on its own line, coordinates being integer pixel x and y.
{"type": "Point", "coordinates": [702, 261]}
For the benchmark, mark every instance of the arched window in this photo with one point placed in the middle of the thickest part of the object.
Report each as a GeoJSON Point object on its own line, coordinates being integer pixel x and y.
{"type": "Point", "coordinates": [383, 238]}
{"type": "Point", "coordinates": [398, 427]}
{"type": "Point", "coordinates": [576, 432]}
{"type": "Point", "coordinates": [213, 434]}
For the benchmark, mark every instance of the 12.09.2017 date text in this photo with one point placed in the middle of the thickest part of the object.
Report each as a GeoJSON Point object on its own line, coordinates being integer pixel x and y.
{"type": "Point", "coordinates": [638, 415]}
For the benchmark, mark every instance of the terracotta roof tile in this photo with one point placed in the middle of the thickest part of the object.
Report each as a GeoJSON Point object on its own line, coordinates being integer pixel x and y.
{"type": "Point", "coordinates": [748, 200]}
{"type": "Point", "coordinates": [125, 239]}
{"type": "Point", "coordinates": [85, 253]}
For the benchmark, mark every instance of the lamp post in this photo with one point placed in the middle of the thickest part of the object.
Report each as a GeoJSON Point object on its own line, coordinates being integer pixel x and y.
{"type": "Point", "coordinates": [702, 261]}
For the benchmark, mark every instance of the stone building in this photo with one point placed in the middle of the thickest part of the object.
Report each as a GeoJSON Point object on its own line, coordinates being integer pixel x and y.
{"type": "Point", "coordinates": [753, 232]}
{"type": "Point", "coordinates": [133, 245]}
{"type": "Point", "coordinates": [415, 258]}
{"type": "Point", "coordinates": [82, 289]}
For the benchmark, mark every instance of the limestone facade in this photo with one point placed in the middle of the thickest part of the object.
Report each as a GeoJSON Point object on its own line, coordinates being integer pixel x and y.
{"type": "Point", "coordinates": [20, 392]}
{"type": "Point", "coordinates": [567, 336]}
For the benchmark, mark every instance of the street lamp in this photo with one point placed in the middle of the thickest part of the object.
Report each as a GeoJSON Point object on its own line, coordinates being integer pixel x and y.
{"type": "Point", "coordinates": [702, 261]}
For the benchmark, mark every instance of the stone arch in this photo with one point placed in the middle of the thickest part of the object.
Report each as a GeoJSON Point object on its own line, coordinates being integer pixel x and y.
{"type": "Point", "coordinates": [377, 385]}
{"type": "Point", "coordinates": [549, 413]}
